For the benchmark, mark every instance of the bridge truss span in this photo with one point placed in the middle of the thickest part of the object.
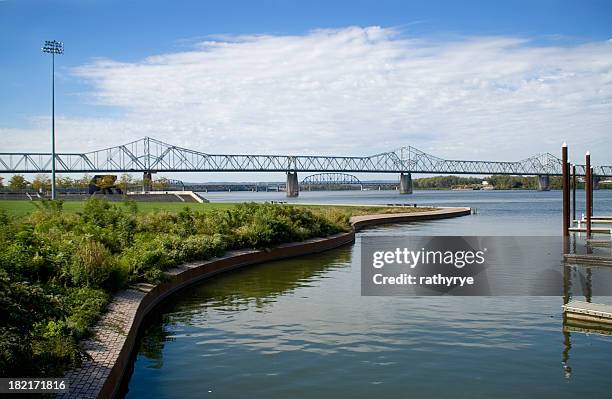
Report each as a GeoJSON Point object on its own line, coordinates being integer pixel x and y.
{"type": "Point", "coordinates": [151, 155]}
{"type": "Point", "coordinates": [333, 179]}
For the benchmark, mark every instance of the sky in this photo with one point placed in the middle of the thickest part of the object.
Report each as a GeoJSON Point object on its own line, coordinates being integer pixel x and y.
{"type": "Point", "coordinates": [460, 80]}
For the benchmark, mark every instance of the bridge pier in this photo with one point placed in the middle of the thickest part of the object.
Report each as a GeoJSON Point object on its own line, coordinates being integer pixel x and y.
{"type": "Point", "coordinates": [293, 187]}
{"type": "Point", "coordinates": [596, 180]}
{"type": "Point", "coordinates": [147, 181]}
{"type": "Point", "coordinates": [405, 183]}
{"type": "Point", "coordinates": [543, 183]}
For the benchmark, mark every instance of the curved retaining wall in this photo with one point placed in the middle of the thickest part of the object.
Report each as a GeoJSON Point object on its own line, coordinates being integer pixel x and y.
{"type": "Point", "coordinates": [115, 334]}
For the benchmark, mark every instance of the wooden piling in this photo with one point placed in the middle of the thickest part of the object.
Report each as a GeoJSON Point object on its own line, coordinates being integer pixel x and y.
{"type": "Point", "coordinates": [566, 214]}
{"type": "Point", "coordinates": [589, 193]}
{"type": "Point", "coordinates": [574, 192]}
{"type": "Point", "coordinates": [592, 188]}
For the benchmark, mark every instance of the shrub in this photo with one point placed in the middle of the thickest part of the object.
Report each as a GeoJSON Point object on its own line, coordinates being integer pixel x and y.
{"type": "Point", "coordinates": [84, 305]}
{"type": "Point", "coordinates": [92, 264]}
{"type": "Point", "coordinates": [53, 348]}
{"type": "Point", "coordinates": [108, 223]}
{"type": "Point", "coordinates": [22, 305]}
{"type": "Point", "coordinates": [201, 247]}
{"type": "Point", "coordinates": [156, 222]}
{"type": "Point", "coordinates": [145, 260]}
{"type": "Point", "coordinates": [57, 270]}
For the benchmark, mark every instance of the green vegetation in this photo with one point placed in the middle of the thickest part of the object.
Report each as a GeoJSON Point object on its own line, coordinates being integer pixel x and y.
{"type": "Point", "coordinates": [18, 182]}
{"type": "Point", "coordinates": [58, 268]}
{"type": "Point", "coordinates": [444, 182]}
{"type": "Point", "coordinates": [503, 182]}
{"type": "Point", "coordinates": [23, 207]}
{"type": "Point", "coordinates": [499, 182]}
{"type": "Point", "coordinates": [42, 181]}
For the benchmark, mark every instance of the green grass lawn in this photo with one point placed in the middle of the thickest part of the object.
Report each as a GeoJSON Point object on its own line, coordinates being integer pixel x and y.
{"type": "Point", "coordinates": [23, 207]}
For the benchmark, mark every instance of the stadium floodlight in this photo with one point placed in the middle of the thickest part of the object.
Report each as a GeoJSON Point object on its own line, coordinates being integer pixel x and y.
{"type": "Point", "coordinates": [53, 47]}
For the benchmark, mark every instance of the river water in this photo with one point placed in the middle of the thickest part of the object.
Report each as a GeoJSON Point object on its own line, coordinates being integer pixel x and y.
{"type": "Point", "coordinates": [300, 328]}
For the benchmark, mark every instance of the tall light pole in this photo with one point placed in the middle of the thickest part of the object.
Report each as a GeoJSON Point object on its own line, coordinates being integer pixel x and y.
{"type": "Point", "coordinates": [53, 47]}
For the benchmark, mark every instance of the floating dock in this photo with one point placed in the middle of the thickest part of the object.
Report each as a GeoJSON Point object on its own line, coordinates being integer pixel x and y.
{"type": "Point", "coordinates": [593, 221]}
{"type": "Point", "coordinates": [588, 312]}
{"type": "Point", "coordinates": [586, 327]}
{"type": "Point", "coordinates": [599, 230]}
{"type": "Point", "coordinates": [599, 243]}
{"type": "Point", "coordinates": [589, 260]}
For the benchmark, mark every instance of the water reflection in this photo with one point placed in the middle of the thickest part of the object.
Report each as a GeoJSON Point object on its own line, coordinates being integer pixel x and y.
{"type": "Point", "coordinates": [585, 284]}
{"type": "Point", "coordinates": [255, 287]}
{"type": "Point", "coordinates": [300, 328]}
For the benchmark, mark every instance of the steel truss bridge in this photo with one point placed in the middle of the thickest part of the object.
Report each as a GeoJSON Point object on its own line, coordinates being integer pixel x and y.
{"type": "Point", "coordinates": [151, 155]}
{"type": "Point", "coordinates": [331, 179]}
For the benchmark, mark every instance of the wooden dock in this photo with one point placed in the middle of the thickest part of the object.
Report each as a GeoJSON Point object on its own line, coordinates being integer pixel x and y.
{"type": "Point", "coordinates": [580, 223]}
{"type": "Point", "coordinates": [588, 312]}
{"type": "Point", "coordinates": [599, 230]}
{"type": "Point", "coordinates": [588, 260]}
{"type": "Point", "coordinates": [587, 327]}
{"type": "Point", "coordinates": [599, 243]}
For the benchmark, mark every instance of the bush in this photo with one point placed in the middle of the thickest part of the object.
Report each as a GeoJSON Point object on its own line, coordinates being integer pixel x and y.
{"type": "Point", "coordinates": [92, 264]}
{"type": "Point", "coordinates": [22, 305]}
{"type": "Point", "coordinates": [57, 270]}
{"type": "Point", "coordinates": [84, 306]}
{"type": "Point", "coordinates": [201, 247]}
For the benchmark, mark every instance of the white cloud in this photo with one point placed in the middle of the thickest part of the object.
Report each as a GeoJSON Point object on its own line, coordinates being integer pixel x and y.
{"type": "Point", "coordinates": [352, 91]}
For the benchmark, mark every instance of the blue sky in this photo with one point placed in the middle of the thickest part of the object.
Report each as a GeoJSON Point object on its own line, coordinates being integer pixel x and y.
{"type": "Point", "coordinates": [109, 45]}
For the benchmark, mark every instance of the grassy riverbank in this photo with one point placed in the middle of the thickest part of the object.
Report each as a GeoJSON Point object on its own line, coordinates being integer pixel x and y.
{"type": "Point", "coordinates": [61, 262]}
{"type": "Point", "coordinates": [21, 208]}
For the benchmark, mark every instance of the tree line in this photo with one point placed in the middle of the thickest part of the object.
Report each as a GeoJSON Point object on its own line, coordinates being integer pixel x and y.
{"type": "Point", "coordinates": [42, 182]}
{"type": "Point", "coordinates": [499, 182]}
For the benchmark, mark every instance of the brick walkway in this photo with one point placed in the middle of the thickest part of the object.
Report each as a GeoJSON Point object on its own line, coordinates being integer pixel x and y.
{"type": "Point", "coordinates": [104, 347]}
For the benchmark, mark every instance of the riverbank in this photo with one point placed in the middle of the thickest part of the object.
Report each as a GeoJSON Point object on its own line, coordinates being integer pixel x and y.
{"type": "Point", "coordinates": [59, 268]}
{"type": "Point", "coordinates": [110, 349]}
{"type": "Point", "coordinates": [20, 208]}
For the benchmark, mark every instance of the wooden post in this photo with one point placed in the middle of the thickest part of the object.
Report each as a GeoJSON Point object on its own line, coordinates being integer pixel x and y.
{"type": "Point", "coordinates": [574, 192]}
{"type": "Point", "coordinates": [592, 189]}
{"type": "Point", "coordinates": [565, 190]}
{"type": "Point", "coordinates": [567, 195]}
{"type": "Point", "coordinates": [587, 182]}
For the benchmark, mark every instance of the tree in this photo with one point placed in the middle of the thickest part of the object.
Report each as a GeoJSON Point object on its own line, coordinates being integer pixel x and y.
{"type": "Point", "coordinates": [83, 182]}
{"type": "Point", "coordinates": [65, 182]}
{"type": "Point", "coordinates": [41, 182]}
{"type": "Point", "coordinates": [125, 182]}
{"type": "Point", "coordinates": [18, 182]}
{"type": "Point", "coordinates": [161, 184]}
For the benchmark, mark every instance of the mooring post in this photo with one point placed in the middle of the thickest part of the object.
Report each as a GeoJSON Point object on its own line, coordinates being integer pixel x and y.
{"type": "Point", "coordinates": [587, 182]}
{"type": "Point", "coordinates": [592, 189]}
{"type": "Point", "coordinates": [574, 192]}
{"type": "Point", "coordinates": [565, 170]}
